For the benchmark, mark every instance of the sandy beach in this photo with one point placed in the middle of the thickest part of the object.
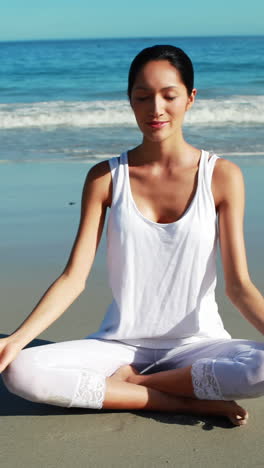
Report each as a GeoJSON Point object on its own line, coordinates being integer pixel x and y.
{"type": "Point", "coordinates": [40, 214]}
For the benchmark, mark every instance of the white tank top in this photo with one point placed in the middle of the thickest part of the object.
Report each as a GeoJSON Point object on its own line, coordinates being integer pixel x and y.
{"type": "Point", "coordinates": [162, 276]}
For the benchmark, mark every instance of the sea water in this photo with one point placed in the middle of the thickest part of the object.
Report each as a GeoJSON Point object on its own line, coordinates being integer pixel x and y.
{"type": "Point", "coordinates": [66, 100]}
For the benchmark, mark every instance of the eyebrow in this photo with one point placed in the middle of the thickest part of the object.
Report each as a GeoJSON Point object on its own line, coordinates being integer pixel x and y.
{"type": "Point", "coordinates": [146, 88]}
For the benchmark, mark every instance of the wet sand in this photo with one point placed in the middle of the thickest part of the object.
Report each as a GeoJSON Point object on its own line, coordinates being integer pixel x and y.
{"type": "Point", "coordinates": [40, 206]}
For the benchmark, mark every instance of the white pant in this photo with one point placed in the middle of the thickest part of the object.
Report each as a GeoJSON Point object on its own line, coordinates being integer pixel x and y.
{"type": "Point", "coordinates": [72, 373]}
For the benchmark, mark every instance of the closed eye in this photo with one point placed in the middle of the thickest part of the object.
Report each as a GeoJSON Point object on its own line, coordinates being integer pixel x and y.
{"type": "Point", "coordinates": [144, 98]}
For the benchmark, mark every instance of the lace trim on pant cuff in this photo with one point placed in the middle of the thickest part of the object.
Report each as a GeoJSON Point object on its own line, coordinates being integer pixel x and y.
{"type": "Point", "coordinates": [204, 381]}
{"type": "Point", "coordinates": [90, 391]}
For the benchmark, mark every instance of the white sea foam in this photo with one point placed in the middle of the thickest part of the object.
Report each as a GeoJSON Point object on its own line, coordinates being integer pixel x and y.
{"type": "Point", "coordinates": [238, 110]}
{"type": "Point", "coordinates": [82, 160]}
{"type": "Point", "coordinates": [243, 153]}
{"type": "Point", "coordinates": [253, 156]}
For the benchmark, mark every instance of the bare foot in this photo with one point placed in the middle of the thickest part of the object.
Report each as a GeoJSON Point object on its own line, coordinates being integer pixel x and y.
{"type": "Point", "coordinates": [124, 373]}
{"type": "Point", "coordinates": [230, 409]}
{"type": "Point", "coordinates": [235, 413]}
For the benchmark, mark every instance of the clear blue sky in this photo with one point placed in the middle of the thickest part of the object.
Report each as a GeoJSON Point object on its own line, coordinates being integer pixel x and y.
{"type": "Point", "coordinates": [30, 19]}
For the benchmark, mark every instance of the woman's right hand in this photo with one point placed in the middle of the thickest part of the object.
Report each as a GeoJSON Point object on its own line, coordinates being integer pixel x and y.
{"type": "Point", "coordinates": [9, 349]}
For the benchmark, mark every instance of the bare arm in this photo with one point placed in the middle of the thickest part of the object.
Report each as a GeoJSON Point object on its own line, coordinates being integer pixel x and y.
{"type": "Point", "coordinates": [229, 186]}
{"type": "Point", "coordinates": [69, 285]}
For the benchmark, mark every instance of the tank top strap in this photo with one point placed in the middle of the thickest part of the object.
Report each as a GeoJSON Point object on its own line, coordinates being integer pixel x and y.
{"type": "Point", "coordinates": [117, 169]}
{"type": "Point", "coordinates": [211, 164]}
{"type": "Point", "coordinates": [209, 161]}
{"type": "Point", "coordinates": [206, 193]}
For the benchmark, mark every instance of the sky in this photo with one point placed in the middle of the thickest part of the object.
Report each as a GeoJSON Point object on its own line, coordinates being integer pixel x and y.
{"type": "Point", "coordinates": [68, 19]}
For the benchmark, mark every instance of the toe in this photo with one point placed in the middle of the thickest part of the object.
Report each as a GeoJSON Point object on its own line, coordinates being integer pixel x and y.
{"type": "Point", "coordinates": [239, 420]}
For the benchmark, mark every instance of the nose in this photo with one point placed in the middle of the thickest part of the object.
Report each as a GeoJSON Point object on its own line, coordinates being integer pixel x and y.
{"type": "Point", "coordinates": [156, 106]}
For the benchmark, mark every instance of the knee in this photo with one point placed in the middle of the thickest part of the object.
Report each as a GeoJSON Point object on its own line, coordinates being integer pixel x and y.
{"type": "Point", "coordinates": [19, 376]}
{"type": "Point", "coordinates": [254, 368]}
{"type": "Point", "coordinates": [30, 376]}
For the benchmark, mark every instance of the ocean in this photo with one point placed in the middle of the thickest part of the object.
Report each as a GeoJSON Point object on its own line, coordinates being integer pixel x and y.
{"type": "Point", "coordinates": [66, 100]}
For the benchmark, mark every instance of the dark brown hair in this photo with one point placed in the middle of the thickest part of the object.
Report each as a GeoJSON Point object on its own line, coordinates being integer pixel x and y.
{"type": "Point", "coordinates": [176, 56]}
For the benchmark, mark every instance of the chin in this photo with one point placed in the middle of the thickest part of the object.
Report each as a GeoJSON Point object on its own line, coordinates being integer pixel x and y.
{"type": "Point", "coordinates": [156, 137]}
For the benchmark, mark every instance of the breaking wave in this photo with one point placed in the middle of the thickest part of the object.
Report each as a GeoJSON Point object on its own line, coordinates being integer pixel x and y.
{"type": "Point", "coordinates": [237, 110]}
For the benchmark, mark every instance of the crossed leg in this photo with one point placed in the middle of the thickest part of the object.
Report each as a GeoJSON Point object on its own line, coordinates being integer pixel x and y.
{"type": "Point", "coordinates": [124, 390]}
{"type": "Point", "coordinates": [235, 369]}
{"type": "Point", "coordinates": [85, 373]}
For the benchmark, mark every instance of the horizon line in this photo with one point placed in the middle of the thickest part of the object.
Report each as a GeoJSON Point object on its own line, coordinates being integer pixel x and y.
{"type": "Point", "coordinates": [128, 37]}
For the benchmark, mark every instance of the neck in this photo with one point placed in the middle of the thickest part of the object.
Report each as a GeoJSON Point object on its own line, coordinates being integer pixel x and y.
{"type": "Point", "coordinates": [174, 151]}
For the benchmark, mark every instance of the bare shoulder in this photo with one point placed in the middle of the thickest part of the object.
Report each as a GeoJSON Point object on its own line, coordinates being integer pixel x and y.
{"type": "Point", "coordinates": [99, 182]}
{"type": "Point", "coordinates": [227, 180]}
{"type": "Point", "coordinates": [99, 171]}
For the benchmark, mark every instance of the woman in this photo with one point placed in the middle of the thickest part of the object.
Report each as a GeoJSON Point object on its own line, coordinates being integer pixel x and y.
{"type": "Point", "coordinates": [162, 345]}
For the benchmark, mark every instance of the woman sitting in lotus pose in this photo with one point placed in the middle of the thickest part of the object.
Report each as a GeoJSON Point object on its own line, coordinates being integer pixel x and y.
{"type": "Point", "coordinates": [162, 344]}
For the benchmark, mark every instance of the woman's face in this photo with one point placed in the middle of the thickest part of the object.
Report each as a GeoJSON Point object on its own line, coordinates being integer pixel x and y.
{"type": "Point", "coordinates": [159, 100]}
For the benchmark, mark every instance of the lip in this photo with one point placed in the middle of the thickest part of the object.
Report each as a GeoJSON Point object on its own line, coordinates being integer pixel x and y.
{"type": "Point", "coordinates": [157, 124]}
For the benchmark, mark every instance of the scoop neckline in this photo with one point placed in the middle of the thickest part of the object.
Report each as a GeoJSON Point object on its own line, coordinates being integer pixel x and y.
{"type": "Point", "coordinates": [186, 212]}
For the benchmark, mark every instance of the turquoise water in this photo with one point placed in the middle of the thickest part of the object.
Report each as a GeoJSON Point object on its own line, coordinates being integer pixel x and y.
{"type": "Point", "coordinates": [66, 100]}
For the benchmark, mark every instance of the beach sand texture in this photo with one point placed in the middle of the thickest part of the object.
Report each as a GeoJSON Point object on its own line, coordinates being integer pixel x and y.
{"type": "Point", "coordinates": [40, 213]}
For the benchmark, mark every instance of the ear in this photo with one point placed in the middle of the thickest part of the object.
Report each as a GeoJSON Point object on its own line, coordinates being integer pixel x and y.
{"type": "Point", "coordinates": [191, 99]}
